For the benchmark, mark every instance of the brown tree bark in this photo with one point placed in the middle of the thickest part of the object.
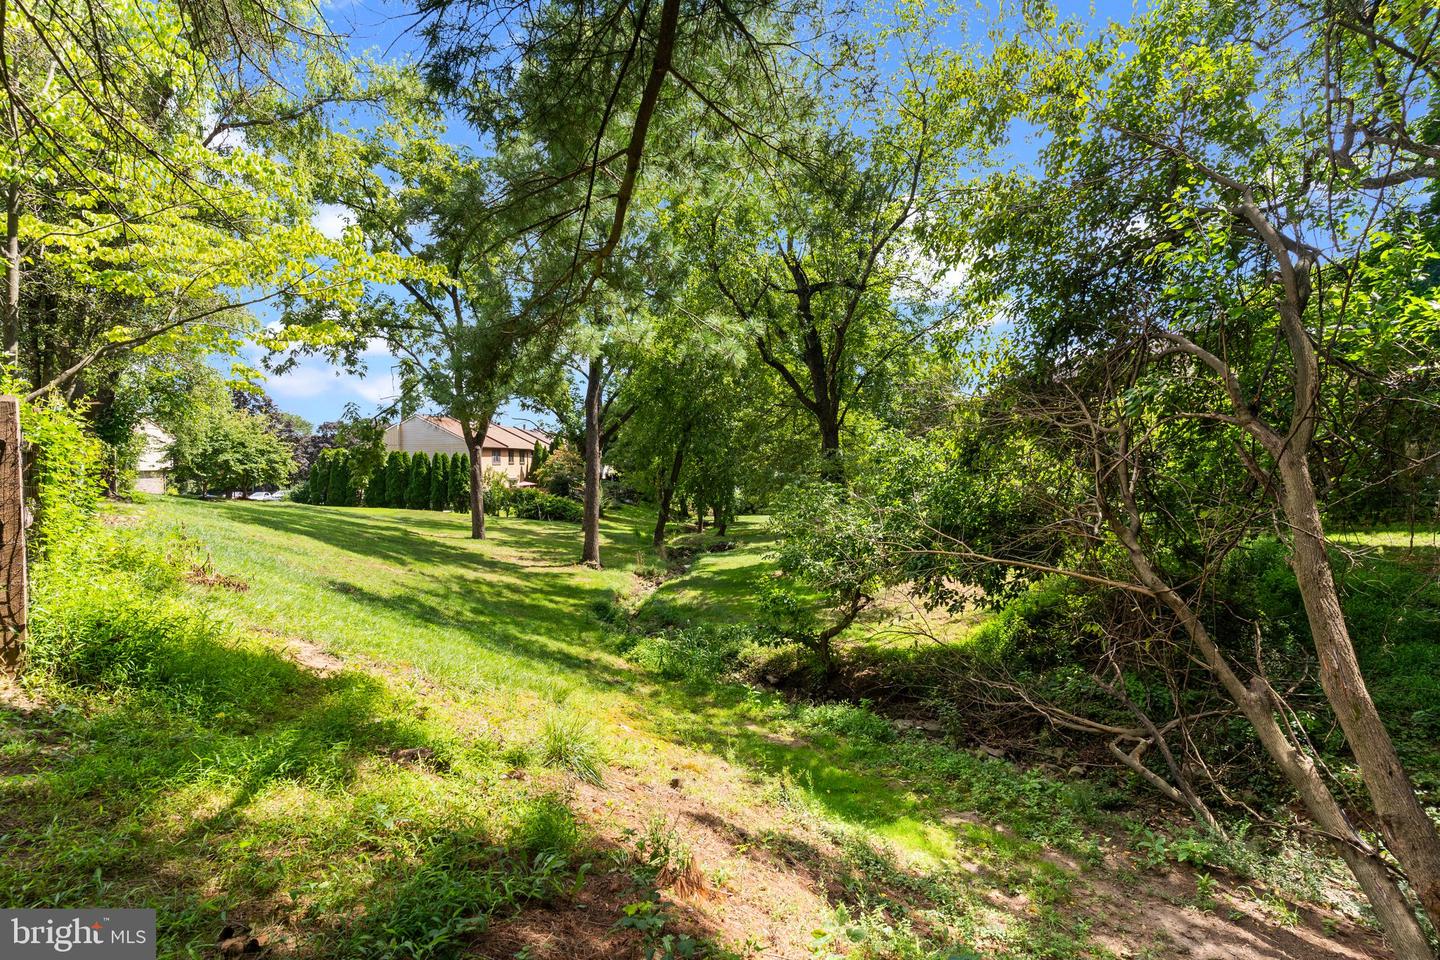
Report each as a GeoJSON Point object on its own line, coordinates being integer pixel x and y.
{"type": "Point", "coordinates": [11, 326]}
{"type": "Point", "coordinates": [1409, 833]}
{"type": "Point", "coordinates": [667, 493]}
{"type": "Point", "coordinates": [474, 445]}
{"type": "Point", "coordinates": [1259, 705]}
{"type": "Point", "coordinates": [590, 550]}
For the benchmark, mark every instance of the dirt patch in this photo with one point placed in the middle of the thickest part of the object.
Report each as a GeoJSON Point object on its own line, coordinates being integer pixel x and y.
{"type": "Point", "coordinates": [736, 877]}
{"type": "Point", "coordinates": [14, 698]}
{"type": "Point", "coordinates": [313, 657]}
{"type": "Point", "coordinates": [754, 876]}
{"type": "Point", "coordinates": [578, 929]}
{"type": "Point", "coordinates": [203, 574]}
{"type": "Point", "coordinates": [1161, 913]}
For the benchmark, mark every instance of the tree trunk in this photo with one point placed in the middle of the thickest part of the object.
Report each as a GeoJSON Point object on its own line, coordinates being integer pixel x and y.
{"type": "Point", "coordinates": [12, 271]}
{"type": "Point", "coordinates": [590, 551]}
{"type": "Point", "coordinates": [831, 467]}
{"type": "Point", "coordinates": [1257, 703]}
{"type": "Point", "coordinates": [477, 496]}
{"type": "Point", "coordinates": [667, 493]}
{"type": "Point", "coordinates": [1409, 833]}
{"type": "Point", "coordinates": [720, 522]}
{"type": "Point", "coordinates": [474, 445]}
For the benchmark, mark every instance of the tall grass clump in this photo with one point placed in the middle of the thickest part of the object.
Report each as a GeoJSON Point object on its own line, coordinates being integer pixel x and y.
{"type": "Point", "coordinates": [568, 742]}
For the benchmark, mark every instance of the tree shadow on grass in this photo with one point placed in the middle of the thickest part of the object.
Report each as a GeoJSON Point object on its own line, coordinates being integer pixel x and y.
{"type": "Point", "coordinates": [519, 619]}
{"type": "Point", "coordinates": [148, 776]}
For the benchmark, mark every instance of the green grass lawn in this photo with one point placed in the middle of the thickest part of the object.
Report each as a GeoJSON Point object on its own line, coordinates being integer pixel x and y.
{"type": "Point", "coordinates": [718, 587]}
{"type": "Point", "coordinates": [232, 781]}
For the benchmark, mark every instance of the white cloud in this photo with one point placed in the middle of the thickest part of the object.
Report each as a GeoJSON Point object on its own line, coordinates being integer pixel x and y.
{"type": "Point", "coordinates": [331, 219]}
{"type": "Point", "coordinates": [315, 380]}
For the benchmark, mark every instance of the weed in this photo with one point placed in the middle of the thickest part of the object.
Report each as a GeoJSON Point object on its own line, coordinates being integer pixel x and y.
{"type": "Point", "coordinates": [662, 859]}
{"type": "Point", "coordinates": [567, 742]}
{"type": "Point", "coordinates": [1205, 888]}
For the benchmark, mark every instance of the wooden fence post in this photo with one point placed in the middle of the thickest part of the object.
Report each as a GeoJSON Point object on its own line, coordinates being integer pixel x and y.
{"type": "Point", "coordinates": [14, 591]}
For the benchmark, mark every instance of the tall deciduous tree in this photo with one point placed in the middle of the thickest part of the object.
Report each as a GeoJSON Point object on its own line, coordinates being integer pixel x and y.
{"type": "Point", "coordinates": [135, 209]}
{"type": "Point", "coordinates": [1198, 244]}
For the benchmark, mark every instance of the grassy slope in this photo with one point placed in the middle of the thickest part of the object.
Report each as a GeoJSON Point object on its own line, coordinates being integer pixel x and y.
{"type": "Point", "coordinates": [278, 804]}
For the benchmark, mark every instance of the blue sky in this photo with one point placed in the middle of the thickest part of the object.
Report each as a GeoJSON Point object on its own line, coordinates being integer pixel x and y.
{"type": "Point", "coordinates": [319, 392]}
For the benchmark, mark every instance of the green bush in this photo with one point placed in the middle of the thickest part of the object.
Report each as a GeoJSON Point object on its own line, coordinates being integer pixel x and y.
{"type": "Point", "coordinates": [439, 482]}
{"type": "Point", "coordinates": [340, 492]}
{"type": "Point", "coordinates": [375, 493]}
{"type": "Point", "coordinates": [397, 477]}
{"type": "Point", "coordinates": [773, 663]}
{"type": "Point", "coordinates": [684, 654]}
{"type": "Point", "coordinates": [417, 485]}
{"type": "Point", "coordinates": [561, 473]}
{"type": "Point", "coordinates": [317, 481]}
{"type": "Point", "coordinates": [459, 492]}
{"type": "Point", "coordinates": [67, 467]}
{"type": "Point", "coordinates": [532, 504]}
{"type": "Point", "coordinates": [1040, 627]}
{"type": "Point", "coordinates": [855, 722]}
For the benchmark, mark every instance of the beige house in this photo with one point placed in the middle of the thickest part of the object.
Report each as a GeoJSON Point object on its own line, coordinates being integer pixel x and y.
{"type": "Point", "coordinates": [153, 469]}
{"type": "Point", "coordinates": [506, 450]}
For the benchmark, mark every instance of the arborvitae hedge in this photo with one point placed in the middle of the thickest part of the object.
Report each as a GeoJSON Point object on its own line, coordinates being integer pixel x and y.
{"type": "Point", "coordinates": [375, 492]}
{"type": "Point", "coordinates": [417, 487]}
{"type": "Point", "coordinates": [397, 475]}
{"type": "Point", "coordinates": [318, 482]}
{"type": "Point", "coordinates": [439, 481]}
{"type": "Point", "coordinates": [340, 492]}
{"type": "Point", "coordinates": [460, 482]}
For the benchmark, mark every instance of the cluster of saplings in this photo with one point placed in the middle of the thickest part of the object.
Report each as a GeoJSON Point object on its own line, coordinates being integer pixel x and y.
{"type": "Point", "coordinates": [422, 481]}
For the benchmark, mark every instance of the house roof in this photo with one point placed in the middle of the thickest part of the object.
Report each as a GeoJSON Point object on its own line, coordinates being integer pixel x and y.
{"type": "Point", "coordinates": [496, 435]}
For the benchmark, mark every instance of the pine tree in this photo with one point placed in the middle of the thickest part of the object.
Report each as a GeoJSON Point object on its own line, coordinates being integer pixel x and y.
{"type": "Point", "coordinates": [417, 487]}
{"type": "Point", "coordinates": [538, 457]}
{"type": "Point", "coordinates": [458, 494]}
{"type": "Point", "coordinates": [341, 490]}
{"type": "Point", "coordinates": [397, 474]}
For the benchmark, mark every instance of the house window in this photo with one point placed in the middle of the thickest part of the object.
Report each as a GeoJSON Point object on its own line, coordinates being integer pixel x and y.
{"type": "Point", "coordinates": [512, 458]}
{"type": "Point", "coordinates": [495, 457]}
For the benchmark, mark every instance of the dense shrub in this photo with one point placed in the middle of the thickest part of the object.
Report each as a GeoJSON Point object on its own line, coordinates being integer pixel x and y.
{"type": "Point", "coordinates": [417, 485]}
{"type": "Point", "coordinates": [499, 494]}
{"type": "Point", "coordinates": [459, 492]}
{"type": "Point", "coordinates": [1040, 627]}
{"type": "Point", "coordinates": [533, 504]}
{"type": "Point", "coordinates": [562, 473]}
{"type": "Point", "coordinates": [375, 493]}
{"type": "Point", "coordinates": [439, 482]}
{"type": "Point", "coordinates": [397, 477]}
{"type": "Point", "coordinates": [340, 492]}
{"type": "Point", "coordinates": [317, 482]}
{"type": "Point", "coordinates": [66, 477]}
{"type": "Point", "coordinates": [693, 653]}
